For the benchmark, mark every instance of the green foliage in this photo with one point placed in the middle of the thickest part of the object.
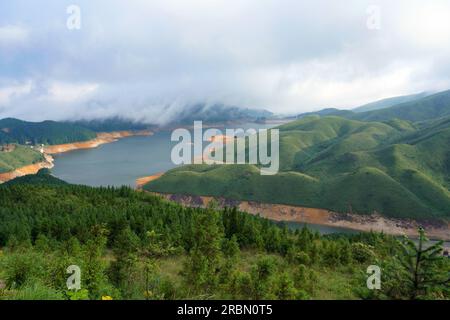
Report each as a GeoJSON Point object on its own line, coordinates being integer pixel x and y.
{"type": "Point", "coordinates": [362, 252]}
{"type": "Point", "coordinates": [202, 267]}
{"type": "Point", "coordinates": [42, 177]}
{"type": "Point", "coordinates": [46, 132]}
{"type": "Point", "coordinates": [81, 294]}
{"type": "Point", "coordinates": [131, 245]}
{"type": "Point", "coordinates": [423, 266]}
{"type": "Point", "coordinates": [21, 268]}
{"type": "Point", "coordinates": [121, 269]}
{"type": "Point", "coordinates": [35, 290]}
{"type": "Point", "coordinates": [19, 157]}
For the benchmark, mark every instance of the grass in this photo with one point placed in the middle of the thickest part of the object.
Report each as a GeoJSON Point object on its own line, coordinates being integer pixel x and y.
{"type": "Point", "coordinates": [332, 283]}
{"type": "Point", "coordinates": [429, 107]}
{"type": "Point", "coordinates": [21, 156]}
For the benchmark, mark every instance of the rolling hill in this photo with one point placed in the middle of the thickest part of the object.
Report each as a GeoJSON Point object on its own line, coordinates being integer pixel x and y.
{"type": "Point", "coordinates": [389, 102]}
{"type": "Point", "coordinates": [327, 112]}
{"type": "Point", "coordinates": [427, 108]}
{"type": "Point", "coordinates": [43, 177]}
{"type": "Point", "coordinates": [18, 156]}
{"type": "Point", "coordinates": [415, 107]}
{"type": "Point", "coordinates": [395, 168]}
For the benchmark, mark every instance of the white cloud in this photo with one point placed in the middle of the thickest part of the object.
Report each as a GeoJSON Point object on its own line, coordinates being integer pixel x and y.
{"type": "Point", "coordinates": [426, 26]}
{"type": "Point", "coordinates": [60, 92]}
{"type": "Point", "coordinates": [150, 58]}
{"type": "Point", "coordinates": [11, 35]}
{"type": "Point", "coordinates": [14, 92]}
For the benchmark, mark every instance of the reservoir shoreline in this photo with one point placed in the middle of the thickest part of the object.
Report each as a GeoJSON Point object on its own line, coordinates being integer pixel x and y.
{"type": "Point", "coordinates": [102, 138]}
{"type": "Point", "coordinates": [48, 151]}
{"type": "Point", "coordinates": [286, 213]}
{"type": "Point", "coordinates": [28, 169]}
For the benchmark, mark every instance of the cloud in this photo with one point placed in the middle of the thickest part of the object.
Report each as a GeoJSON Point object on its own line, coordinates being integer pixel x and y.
{"type": "Point", "coordinates": [149, 59]}
{"type": "Point", "coordinates": [11, 92]}
{"type": "Point", "coordinates": [11, 35]}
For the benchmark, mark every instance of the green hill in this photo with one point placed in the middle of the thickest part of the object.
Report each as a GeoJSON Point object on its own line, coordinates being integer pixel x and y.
{"type": "Point", "coordinates": [43, 177]}
{"type": "Point", "coordinates": [389, 102]}
{"type": "Point", "coordinates": [430, 107]}
{"type": "Point", "coordinates": [327, 112]}
{"type": "Point", "coordinates": [395, 167]}
{"type": "Point", "coordinates": [416, 108]}
{"type": "Point", "coordinates": [372, 106]}
{"type": "Point", "coordinates": [18, 156]}
{"type": "Point", "coordinates": [46, 132]}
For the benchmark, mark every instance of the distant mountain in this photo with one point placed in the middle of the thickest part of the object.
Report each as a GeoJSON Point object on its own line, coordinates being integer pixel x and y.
{"type": "Point", "coordinates": [389, 102]}
{"type": "Point", "coordinates": [111, 124]}
{"type": "Point", "coordinates": [219, 113]}
{"type": "Point", "coordinates": [212, 114]}
{"type": "Point", "coordinates": [46, 132]}
{"type": "Point", "coordinates": [326, 112]}
{"type": "Point", "coordinates": [430, 107]}
{"type": "Point", "coordinates": [416, 107]}
{"type": "Point", "coordinates": [394, 168]}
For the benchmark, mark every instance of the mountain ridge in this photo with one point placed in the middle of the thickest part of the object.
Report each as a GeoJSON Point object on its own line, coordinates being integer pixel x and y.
{"type": "Point", "coordinates": [392, 168]}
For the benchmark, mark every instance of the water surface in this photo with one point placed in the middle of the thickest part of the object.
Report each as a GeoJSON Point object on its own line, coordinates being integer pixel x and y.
{"type": "Point", "coordinates": [122, 162]}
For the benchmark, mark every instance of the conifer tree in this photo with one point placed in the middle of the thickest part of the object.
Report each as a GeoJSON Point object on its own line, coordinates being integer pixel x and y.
{"type": "Point", "coordinates": [421, 266]}
{"type": "Point", "coordinates": [202, 269]}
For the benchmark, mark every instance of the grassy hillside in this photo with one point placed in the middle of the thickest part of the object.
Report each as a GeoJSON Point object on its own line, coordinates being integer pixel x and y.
{"type": "Point", "coordinates": [20, 156]}
{"type": "Point", "coordinates": [327, 112]}
{"type": "Point", "coordinates": [416, 108]}
{"type": "Point", "coordinates": [389, 102]}
{"type": "Point", "coordinates": [395, 168]}
{"type": "Point", "coordinates": [429, 107]}
{"type": "Point", "coordinates": [46, 132]}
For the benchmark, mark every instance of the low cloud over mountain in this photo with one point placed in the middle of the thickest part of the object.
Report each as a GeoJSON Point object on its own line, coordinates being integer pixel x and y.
{"type": "Point", "coordinates": [151, 59]}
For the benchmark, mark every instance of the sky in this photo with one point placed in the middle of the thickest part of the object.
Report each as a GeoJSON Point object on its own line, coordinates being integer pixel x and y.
{"type": "Point", "coordinates": [146, 59]}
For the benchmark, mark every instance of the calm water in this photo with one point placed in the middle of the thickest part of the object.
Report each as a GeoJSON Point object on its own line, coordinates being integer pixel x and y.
{"type": "Point", "coordinates": [115, 164]}
{"type": "Point", "coordinates": [122, 162]}
{"type": "Point", "coordinates": [321, 229]}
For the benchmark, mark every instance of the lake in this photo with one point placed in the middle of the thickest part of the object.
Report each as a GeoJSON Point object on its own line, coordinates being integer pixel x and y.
{"type": "Point", "coordinates": [116, 164]}
{"type": "Point", "coordinates": [122, 162]}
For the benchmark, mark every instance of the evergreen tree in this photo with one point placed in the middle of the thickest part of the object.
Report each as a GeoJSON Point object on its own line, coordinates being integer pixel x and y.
{"type": "Point", "coordinates": [123, 268]}
{"type": "Point", "coordinates": [93, 271]}
{"type": "Point", "coordinates": [421, 264]}
{"type": "Point", "coordinates": [202, 267]}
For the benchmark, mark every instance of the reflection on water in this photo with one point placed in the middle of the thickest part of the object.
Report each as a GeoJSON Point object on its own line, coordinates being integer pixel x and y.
{"type": "Point", "coordinates": [319, 228]}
